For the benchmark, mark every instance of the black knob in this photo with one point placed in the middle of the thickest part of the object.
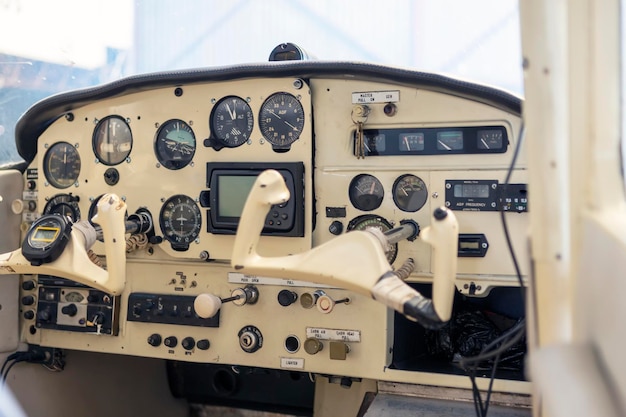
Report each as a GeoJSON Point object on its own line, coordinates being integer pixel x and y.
{"type": "Point", "coordinates": [28, 300]}
{"type": "Point", "coordinates": [203, 344]}
{"type": "Point", "coordinates": [170, 341]}
{"type": "Point", "coordinates": [287, 297]}
{"type": "Point", "coordinates": [336, 227]}
{"type": "Point", "coordinates": [93, 298]}
{"type": "Point", "coordinates": [188, 343]}
{"type": "Point", "coordinates": [32, 205]}
{"type": "Point", "coordinates": [29, 314]}
{"type": "Point", "coordinates": [28, 285]}
{"type": "Point", "coordinates": [31, 185]}
{"type": "Point", "coordinates": [43, 316]}
{"type": "Point", "coordinates": [154, 340]}
{"type": "Point", "coordinates": [70, 310]}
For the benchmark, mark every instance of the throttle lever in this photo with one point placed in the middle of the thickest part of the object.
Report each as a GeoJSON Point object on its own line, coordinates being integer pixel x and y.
{"type": "Point", "coordinates": [354, 261]}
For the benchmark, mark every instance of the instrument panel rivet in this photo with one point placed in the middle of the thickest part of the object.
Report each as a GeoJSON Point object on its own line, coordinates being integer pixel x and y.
{"type": "Point", "coordinates": [76, 145]}
{"type": "Point", "coordinates": [261, 141]}
{"type": "Point", "coordinates": [46, 184]}
{"type": "Point", "coordinates": [248, 99]}
{"type": "Point", "coordinates": [197, 241]}
{"type": "Point", "coordinates": [162, 200]}
{"type": "Point", "coordinates": [97, 161]}
{"type": "Point", "coordinates": [494, 186]}
{"type": "Point", "coordinates": [213, 101]}
{"type": "Point", "coordinates": [435, 195]}
{"type": "Point", "coordinates": [76, 184]}
{"type": "Point", "coordinates": [448, 186]}
{"type": "Point", "coordinates": [46, 146]}
{"type": "Point", "coordinates": [191, 164]}
{"type": "Point", "coordinates": [158, 165]}
{"type": "Point", "coordinates": [128, 159]}
{"type": "Point", "coordinates": [447, 204]}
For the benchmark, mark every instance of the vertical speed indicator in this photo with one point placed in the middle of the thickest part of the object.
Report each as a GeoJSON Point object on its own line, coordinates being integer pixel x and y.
{"type": "Point", "coordinates": [281, 120]}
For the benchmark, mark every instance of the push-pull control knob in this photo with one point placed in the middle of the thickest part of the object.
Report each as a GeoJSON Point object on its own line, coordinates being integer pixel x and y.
{"type": "Point", "coordinates": [246, 295]}
{"type": "Point", "coordinates": [207, 305]}
{"type": "Point", "coordinates": [154, 340]}
{"type": "Point", "coordinates": [325, 304]}
{"type": "Point", "coordinates": [308, 299]}
{"type": "Point", "coordinates": [312, 346]}
{"type": "Point", "coordinates": [287, 297]}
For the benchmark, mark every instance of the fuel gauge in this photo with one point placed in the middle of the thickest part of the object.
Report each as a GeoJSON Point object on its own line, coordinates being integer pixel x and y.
{"type": "Point", "coordinates": [366, 192]}
{"type": "Point", "coordinates": [489, 139]}
{"type": "Point", "coordinates": [409, 193]}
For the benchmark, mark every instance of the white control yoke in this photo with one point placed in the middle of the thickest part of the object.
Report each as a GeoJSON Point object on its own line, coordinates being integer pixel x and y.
{"type": "Point", "coordinates": [74, 263]}
{"type": "Point", "coordinates": [354, 261]}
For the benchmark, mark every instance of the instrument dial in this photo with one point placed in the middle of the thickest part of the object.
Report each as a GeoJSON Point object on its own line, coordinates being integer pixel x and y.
{"type": "Point", "coordinates": [61, 165]}
{"type": "Point", "coordinates": [370, 220]}
{"type": "Point", "coordinates": [175, 144]}
{"type": "Point", "coordinates": [490, 139]}
{"type": "Point", "coordinates": [64, 205]}
{"type": "Point", "coordinates": [281, 120]}
{"type": "Point", "coordinates": [409, 193]}
{"type": "Point", "coordinates": [112, 140]}
{"type": "Point", "coordinates": [232, 121]}
{"type": "Point", "coordinates": [181, 221]}
{"type": "Point", "coordinates": [450, 140]}
{"type": "Point", "coordinates": [366, 192]}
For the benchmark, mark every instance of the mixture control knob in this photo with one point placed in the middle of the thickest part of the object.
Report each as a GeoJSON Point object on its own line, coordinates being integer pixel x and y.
{"type": "Point", "coordinates": [203, 344]}
{"type": "Point", "coordinates": [207, 305]}
{"type": "Point", "coordinates": [188, 343]}
{"type": "Point", "coordinates": [312, 346]}
{"type": "Point", "coordinates": [170, 341]}
{"type": "Point", "coordinates": [70, 310]}
{"type": "Point", "coordinates": [287, 298]}
{"type": "Point", "coordinates": [154, 340]}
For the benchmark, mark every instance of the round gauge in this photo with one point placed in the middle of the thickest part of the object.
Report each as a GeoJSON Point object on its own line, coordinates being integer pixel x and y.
{"type": "Point", "coordinates": [489, 139]}
{"type": "Point", "coordinates": [112, 140]}
{"type": "Point", "coordinates": [370, 220]}
{"type": "Point", "coordinates": [64, 205]}
{"type": "Point", "coordinates": [61, 165]}
{"type": "Point", "coordinates": [232, 121]}
{"type": "Point", "coordinates": [180, 221]}
{"type": "Point", "coordinates": [366, 192]}
{"type": "Point", "coordinates": [175, 144]}
{"type": "Point", "coordinates": [409, 192]}
{"type": "Point", "coordinates": [74, 297]}
{"type": "Point", "coordinates": [281, 120]}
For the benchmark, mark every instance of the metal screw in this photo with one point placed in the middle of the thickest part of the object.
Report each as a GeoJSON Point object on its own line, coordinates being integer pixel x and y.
{"type": "Point", "coordinates": [297, 84]}
{"type": "Point", "coordinates": [158, 165]}
{"type": "Point", "coordinates": [128, 159]}
{"type": "Point", "coordinates": [191, 164]}
{"type": "Point", "coordinates": [494, 186]}
{"type": "Point", "coordinates": [447, 204]}
{"type": "Point", "coordinates": [261, 141]}
{"type": "Point", "coordinates": [448, 186]}
{"type": "Point", "coordinates": [248, 99]}
{"type": "Point", "coordinates": [435, 195]}
{"type": "Point", "coordinates": [484, 245]}
{"type": "Point", "coordinates": [213, 101]}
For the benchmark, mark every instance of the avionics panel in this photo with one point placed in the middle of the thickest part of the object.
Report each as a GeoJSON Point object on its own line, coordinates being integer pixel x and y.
{"type": "Point", "coordinates": [229, 185]}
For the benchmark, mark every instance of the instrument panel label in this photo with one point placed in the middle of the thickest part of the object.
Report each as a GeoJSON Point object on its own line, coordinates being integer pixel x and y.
{"type": "Point", "coordinates": [333, 334]}
{"type": "Point", "coordinates": [239, 278]}
{"type": "Point", "coordinates": [292, 363]}
{"type": "Point", "coordinates": [368, 97]}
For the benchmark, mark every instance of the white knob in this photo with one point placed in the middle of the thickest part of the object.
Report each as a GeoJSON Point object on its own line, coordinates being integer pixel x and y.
{"type": "Point", "coordinates": [207, 305]}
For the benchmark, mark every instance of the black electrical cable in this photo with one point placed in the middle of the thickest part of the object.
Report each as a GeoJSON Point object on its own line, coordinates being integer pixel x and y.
{"type": "Point", "coordinates": [8, 359]}
{"type": "Point", "coordinates": [515, 333]}
{"type": "Point", "coordinates": [6, 374]}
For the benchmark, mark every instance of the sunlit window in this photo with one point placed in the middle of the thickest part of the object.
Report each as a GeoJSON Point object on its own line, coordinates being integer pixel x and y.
{"type": "Point", "coordinates": [49, 46]}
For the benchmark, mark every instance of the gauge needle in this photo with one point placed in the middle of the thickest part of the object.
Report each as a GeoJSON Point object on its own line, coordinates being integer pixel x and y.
{"type": "Point", "coordinates": [372, 188]}
{"type": "Point", "coordinates": [291, 126]}
{"type": "Point", "coordinates": [484, 143]}
{"type": "Point", "coordinates": [406, 141]}
{"type": "Point", "coordinates": [446, 147]}
{"type": "Point", "coordinates": [272, 112]}
{"type": "Point", "coordinates": [232, 113]}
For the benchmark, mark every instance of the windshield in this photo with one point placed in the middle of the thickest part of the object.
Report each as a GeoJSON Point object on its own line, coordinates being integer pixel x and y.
{"type": "Point", "coordinates": [53, 46]}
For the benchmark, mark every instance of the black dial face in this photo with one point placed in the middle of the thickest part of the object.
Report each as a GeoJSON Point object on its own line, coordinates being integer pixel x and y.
{"type": "Point", "coordinates": [175, 144]}
{"type": "Point", "coordinates": [409, 193]}
{"type": "Point", "coordinates": [180, 221]}
{"type": "Point", "coordinates": [232, 121]}
{"type": "Point", "coordinates": [112, 140]}
{"type": "Point", "coordinates": [370, 220]}
{"type": "Point", "coordinates": [450, 141]}
{"type": "Point", "coordinates": [281, 120]}
{"type": "Point", "coordinates": [61, 165]}
{"type": "Point", "coordinates": [489, 139]}
{"type": "Point", "coordinates": [64, 205]}
{"type": "Point", "coordinates": [366, 192]}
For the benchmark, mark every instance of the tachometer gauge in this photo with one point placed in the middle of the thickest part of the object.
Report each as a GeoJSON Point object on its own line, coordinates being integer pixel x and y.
{"type": "Point", "coordinates": [232, 121]}
{"type": "Point", "coordinates": [61, 165]}
{"type": "Point", "coordinates": [409, 193]}
{"type": "Point", "coordinates": [366, 192]}
{"type": "Point", "coordinates": [112, 140]}
{"type": "Point", "coordinates": [175, 144]}
{"type": "Point", "coordinates": [180, 221]}
{"type": "Point", "coordinates": [281, 120]}
{"type": "Point", "coordinates": [64, 205]}
{"type": "Point", "coordinates": [370, 220]}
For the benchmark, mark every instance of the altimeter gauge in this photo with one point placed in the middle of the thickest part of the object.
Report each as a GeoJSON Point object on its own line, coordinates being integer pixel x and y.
{"type": "Point", "coordinates": [232, 122]}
